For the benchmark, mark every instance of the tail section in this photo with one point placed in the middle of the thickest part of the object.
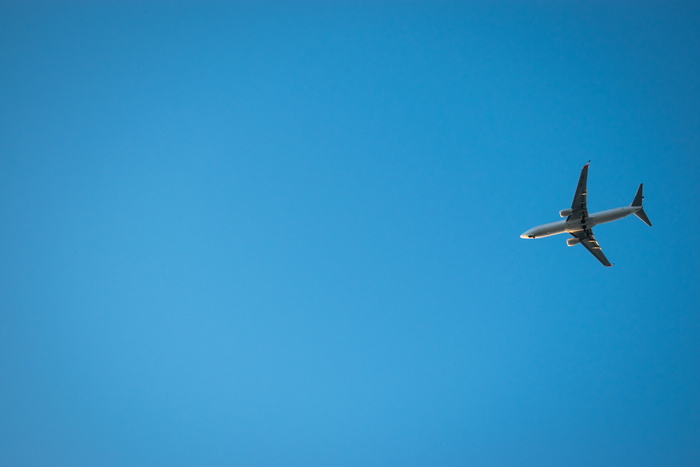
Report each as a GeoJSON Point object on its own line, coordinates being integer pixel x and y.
{"type": "Point", "coordinates": [638, 203]}
{"type": "Point", "coordinates": [638, 197]}
{"type": "Point", "coordinates": [643, 216]}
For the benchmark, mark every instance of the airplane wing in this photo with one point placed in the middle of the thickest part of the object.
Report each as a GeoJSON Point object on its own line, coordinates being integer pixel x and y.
{"type": "Point", "coordinates": [579, 209]}
{"type": "Point", "coordinates": [588, 240]}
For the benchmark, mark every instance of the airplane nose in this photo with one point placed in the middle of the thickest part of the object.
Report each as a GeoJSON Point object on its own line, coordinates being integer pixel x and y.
{"type": "Point", "coordinates": [524, 235]}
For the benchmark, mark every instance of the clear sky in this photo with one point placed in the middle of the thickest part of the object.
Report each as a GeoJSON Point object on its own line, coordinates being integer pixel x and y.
{"type": "Point", "coordinates": [287, 234]}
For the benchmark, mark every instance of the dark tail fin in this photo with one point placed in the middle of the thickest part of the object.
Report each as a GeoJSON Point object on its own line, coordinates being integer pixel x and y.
{"type": "Point", "coordinates": [643, 216]}
{"type": "Point", "coordinates": [638, 203]}
{"type": "Point", "coordinates": [638, 197]}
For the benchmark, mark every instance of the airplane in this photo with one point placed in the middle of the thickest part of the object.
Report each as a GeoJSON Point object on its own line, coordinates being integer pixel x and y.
{"type": "Point", "coordinates": [579, 223]}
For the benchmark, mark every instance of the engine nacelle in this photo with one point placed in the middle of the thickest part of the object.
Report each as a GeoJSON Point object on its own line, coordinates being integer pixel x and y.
{"type": "Point", "coordinates": [565, 213]}
{"type": "Point", "coordinates": [572, 241]}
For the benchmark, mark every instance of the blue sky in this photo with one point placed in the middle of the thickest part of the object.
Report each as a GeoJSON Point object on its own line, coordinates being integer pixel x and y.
{"type": "Point", "coordinates": [288, 233]}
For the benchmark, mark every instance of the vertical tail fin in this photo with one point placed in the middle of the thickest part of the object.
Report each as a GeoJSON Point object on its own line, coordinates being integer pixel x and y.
{"type": "Point", "coordinates": [638, 203]}
{"type": "Point", "coordinates": [638, 197]}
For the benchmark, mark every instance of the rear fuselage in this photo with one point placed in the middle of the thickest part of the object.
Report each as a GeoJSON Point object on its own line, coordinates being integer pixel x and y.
{"type": "Point", "coordinates": [576, 225]}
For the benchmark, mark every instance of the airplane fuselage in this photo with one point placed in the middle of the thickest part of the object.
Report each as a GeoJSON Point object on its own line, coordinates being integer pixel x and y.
{"type": "Point", "coordinates": [576, 225]}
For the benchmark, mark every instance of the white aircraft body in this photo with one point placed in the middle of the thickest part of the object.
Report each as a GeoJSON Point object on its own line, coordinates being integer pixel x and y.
{"type": "Point", "coordinates": [579, 223]}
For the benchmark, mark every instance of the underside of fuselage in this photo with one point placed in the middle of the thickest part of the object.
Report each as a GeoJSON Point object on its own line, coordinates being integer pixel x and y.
{"type": "Point", "coordinates": [580, 224]}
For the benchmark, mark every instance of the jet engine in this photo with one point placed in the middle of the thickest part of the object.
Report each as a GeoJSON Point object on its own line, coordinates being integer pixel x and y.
{"type": "Point", "coordinates": [565, 213]}
{"type": "Point", "coordinates": [572, 241]}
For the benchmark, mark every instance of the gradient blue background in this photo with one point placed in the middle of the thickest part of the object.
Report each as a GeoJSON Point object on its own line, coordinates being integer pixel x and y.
{"type": "Point", "coordinates": [287, 234]}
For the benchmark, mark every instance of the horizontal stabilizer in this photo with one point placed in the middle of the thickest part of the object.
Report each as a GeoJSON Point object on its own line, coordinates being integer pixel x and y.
{"type": "Point", "coordinates": [643, 216]}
